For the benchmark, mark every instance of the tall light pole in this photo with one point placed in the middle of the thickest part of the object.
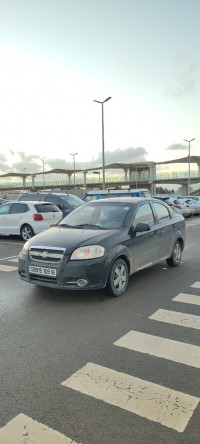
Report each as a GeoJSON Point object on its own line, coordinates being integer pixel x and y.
{"type": "Point", "coordinates": [103, 154]}
{"type": "Point", "coordinates": [43, 173]}
{"type": "Point", "coordinates": [189, 163]}
{"type": "Point", "coordinates": [74, 166]}
{"type": "Point", "coordinates": [23, 178]}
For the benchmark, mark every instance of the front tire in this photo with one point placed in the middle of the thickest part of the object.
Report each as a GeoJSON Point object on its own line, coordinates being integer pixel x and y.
{"type": "Point", "coordinates": [176, 256]}
{"type": "Point", "coordinates": [26, 232]}
{"type": "Point", "coordinates": [118, 278]}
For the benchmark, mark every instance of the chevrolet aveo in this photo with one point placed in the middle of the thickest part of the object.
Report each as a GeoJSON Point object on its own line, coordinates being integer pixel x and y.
{"type": "Point", "coordinates": [101, 243]}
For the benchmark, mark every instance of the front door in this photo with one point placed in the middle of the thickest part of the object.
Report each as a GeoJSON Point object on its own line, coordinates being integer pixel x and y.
{"type": "Point", "coordinates": [4, 210]}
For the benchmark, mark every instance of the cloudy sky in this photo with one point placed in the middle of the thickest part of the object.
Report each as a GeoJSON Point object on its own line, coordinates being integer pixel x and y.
{"type": "Point", "coordinates": [58, 56]}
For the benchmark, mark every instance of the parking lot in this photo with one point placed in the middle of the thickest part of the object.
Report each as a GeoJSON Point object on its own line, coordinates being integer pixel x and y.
{"type": "Point", "coordinates": [92, 368]}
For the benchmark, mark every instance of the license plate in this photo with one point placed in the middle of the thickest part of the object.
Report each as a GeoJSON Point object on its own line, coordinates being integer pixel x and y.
{"type": "Point", "coordinates": [42, 270]}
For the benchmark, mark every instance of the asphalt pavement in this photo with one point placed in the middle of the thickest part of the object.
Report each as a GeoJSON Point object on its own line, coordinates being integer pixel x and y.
{"type": "Point", "coordinates": [88, 368]}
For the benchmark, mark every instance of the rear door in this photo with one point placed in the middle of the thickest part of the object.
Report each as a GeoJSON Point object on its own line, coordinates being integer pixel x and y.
{"type": "Point", "coordinates": [15, 217]}
{"type": "Point", "coordinates": [167, 228]}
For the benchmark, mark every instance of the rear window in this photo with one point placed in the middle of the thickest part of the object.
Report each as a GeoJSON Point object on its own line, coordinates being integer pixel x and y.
{"type": "Point", "coordinates": [46, 208]}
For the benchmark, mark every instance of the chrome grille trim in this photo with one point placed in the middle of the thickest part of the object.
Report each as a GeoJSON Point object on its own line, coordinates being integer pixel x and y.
{"type": "Point", "coordinates": [46, 254]}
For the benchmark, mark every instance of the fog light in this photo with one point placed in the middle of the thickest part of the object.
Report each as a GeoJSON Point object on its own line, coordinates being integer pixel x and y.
{"type": "Point", "coordinates": [82, 282]}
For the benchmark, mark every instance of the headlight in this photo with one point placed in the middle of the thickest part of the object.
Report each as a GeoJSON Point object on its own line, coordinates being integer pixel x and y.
{"type": "Point", "coordinates": [90, 252]}
{"type": "Point", "coordinates": [25, 247]}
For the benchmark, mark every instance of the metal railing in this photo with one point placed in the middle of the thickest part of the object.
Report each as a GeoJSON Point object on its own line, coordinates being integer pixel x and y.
{"type": "Point", "coordinates": [137, 178]}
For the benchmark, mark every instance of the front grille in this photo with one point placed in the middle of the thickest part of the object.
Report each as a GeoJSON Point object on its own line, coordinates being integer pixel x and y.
{"type": "Point", "coordinates": [46, 254]}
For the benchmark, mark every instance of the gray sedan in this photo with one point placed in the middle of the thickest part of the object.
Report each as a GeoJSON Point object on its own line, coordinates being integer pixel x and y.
{"type": "Point", "coordinates": [101, 243]}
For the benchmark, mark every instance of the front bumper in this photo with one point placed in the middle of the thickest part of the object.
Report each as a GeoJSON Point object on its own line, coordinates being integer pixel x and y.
{"type": "Point", "coordinates": [68, 273]}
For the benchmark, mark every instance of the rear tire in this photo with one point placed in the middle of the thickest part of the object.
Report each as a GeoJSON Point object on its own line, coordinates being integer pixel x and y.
{"type": "Point", "coordinates": [176, 256]}
{"type": "Point", "coordinates": [26, 232]}
{"type": "Point", "coordinates": [118, 278]}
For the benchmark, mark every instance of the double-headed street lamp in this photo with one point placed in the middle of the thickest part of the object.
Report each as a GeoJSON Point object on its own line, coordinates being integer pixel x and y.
{"type": "Point", "coordinates": [74, 166]}
{"type": "Point", "coordinates": [189, 163]}
{"type": "Point", "coordinates": [103, 154]}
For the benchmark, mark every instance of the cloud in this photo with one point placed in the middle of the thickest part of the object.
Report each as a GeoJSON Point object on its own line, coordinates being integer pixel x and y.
{"type": "Point", "coordinates": [33, 164]}
{"type": "Point", "coordinates": [177, 147]}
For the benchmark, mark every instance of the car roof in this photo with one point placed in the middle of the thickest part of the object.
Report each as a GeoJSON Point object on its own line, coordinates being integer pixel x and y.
{"type": "Point", "coordinates": [43, 193]}
{"type": "Point", "coordinates": [124, 199]}
{"type": "Point", "coordinates": [30, 202]}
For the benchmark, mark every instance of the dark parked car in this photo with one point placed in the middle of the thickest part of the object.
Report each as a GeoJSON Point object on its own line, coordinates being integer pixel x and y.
{"type": "Point", "coordinates": [65, 202]}
{"type": "Point", "coordinates": [101, 243]}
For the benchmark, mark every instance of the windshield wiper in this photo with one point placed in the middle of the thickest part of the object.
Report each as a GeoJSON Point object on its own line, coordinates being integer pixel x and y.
{"type": "Point", "coordinates": [65, 226]}
{"type": "Point", "coordinates": [89, 226]}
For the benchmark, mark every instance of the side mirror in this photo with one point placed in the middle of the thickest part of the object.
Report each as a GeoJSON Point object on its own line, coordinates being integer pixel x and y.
{"type": "Point", "coordinates": [142, 227]}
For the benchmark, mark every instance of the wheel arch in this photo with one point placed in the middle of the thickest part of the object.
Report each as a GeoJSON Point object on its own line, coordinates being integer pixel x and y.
{"type": "Point", "coordinates": [120, 256]}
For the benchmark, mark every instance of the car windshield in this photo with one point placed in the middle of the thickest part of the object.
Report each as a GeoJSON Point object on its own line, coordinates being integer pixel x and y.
{"type": "Point", "coordinates": [102, 215]}
{"type": "Point", "coordinates": [72, 201]}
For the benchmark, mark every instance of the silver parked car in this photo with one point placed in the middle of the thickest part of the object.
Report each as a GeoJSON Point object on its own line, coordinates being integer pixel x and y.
{"type": "Point", "coordinates": [101, 243]}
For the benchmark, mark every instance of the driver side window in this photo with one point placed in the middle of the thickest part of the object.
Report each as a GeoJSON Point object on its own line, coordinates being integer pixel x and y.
{"type": "Point", "coordinates": [144, 215]}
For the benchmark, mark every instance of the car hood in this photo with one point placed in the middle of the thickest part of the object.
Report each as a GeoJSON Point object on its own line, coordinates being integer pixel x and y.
{"type": "Point", "coordinates": [71, 238]}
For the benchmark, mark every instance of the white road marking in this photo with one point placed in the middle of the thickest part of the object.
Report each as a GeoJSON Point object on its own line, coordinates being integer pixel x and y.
{"type": "Point", "coordinates": [187, 298]}
{"type": "Point", "coordinates": [13, 260]}
{"type": "Point", "coordinates": [7, 268]}
{"type": "Point", "coordinates": [196, 285]}
{"type": "Point", "coordinates": [24, 430]}
{"type": "Point", "coordinates": [154, 402]}
{"type": "Point", "coordinates": [163, 348]}
{"type": "Point", "coordinates": [174, 317]}
{"type": "Point", "coordinates": [8, 258]}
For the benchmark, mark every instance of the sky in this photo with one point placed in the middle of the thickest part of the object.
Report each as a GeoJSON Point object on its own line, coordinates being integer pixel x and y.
{"type": "Point", "coordinates": [58, 56]}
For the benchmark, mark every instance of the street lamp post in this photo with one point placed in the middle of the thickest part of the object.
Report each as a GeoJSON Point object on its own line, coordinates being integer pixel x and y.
{"type": "Point", "coordinates": [103, 154]}
{"type": "Point", "coordinates": [43, 173]}
{"type": "Point", "coordinates": [189, 164]}
{"type": "Point", "coordinates": [74, 166]}
{"type": "Point", "coordinates": [23, 178]}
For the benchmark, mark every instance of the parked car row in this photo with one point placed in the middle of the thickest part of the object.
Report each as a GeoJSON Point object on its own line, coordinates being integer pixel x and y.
{"type": "Point", "coordinates": [187, 206]}
{"type": "Point", "coordinates": [29, 216]}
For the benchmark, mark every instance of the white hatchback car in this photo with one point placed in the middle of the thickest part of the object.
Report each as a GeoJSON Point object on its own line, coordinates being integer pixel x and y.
{"type": "Point", "coordinates": [28, 218]}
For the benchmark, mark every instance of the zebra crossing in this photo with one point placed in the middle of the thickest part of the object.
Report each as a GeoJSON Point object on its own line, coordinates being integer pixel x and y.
{"type": "Point", "coordinates": [157, 403]}
{"type": "Point", "coordinates": [154, 402]}
{"type": "Point", "coordinates": [23, 430]}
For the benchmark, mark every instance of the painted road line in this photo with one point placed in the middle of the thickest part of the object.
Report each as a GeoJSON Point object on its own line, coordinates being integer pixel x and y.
{"type": "Point", "coordinates": [13, 260]}
{"type": "Point", "coordinates": [196, 285]}
{"type": "Point", "coordinates": [7, 268]}
{"type": "Point", "coordinates": [23, 429]}
{"type": "Point", "coordinates": [146, 399]}
{"type": "Point", "coordinates": [187, 298]}
{"type": "Point", "coordinates": [174, 317]}
{"type": "Point", "coordinates": [8, 258]}
{"type": "Point", "coordinates": [160, 347]}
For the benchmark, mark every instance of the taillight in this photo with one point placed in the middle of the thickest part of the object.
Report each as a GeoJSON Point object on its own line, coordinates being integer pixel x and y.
{"type": "Point", "coordinates": [178, 206]}
{"type": "Point", "coordinates": [37, 217]}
